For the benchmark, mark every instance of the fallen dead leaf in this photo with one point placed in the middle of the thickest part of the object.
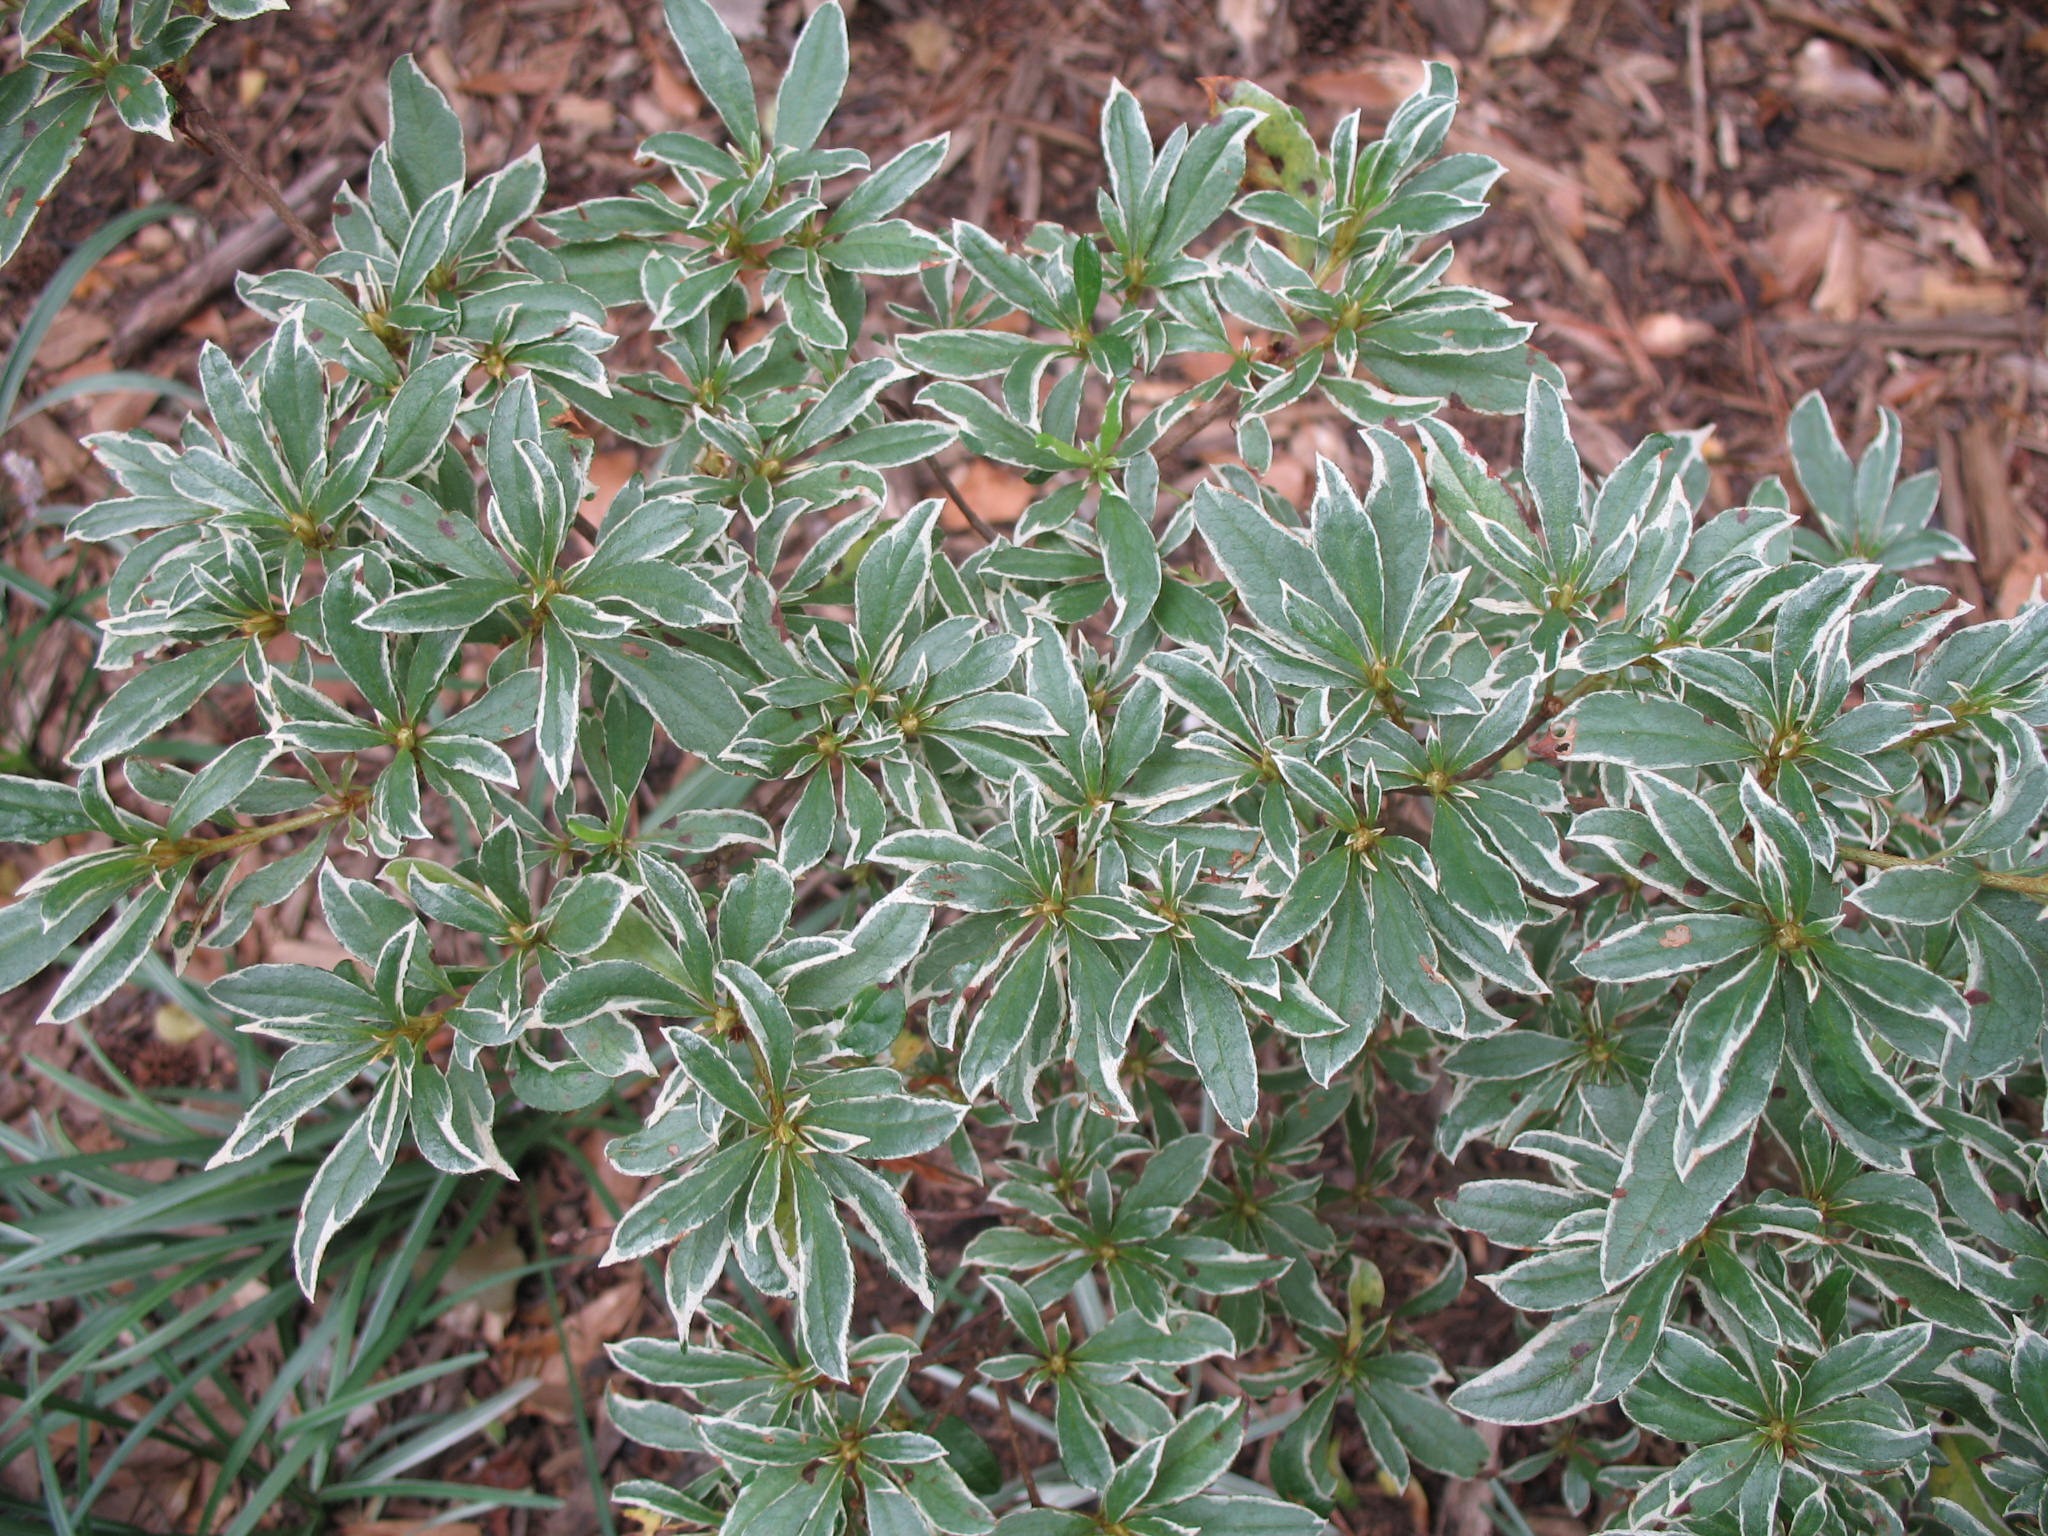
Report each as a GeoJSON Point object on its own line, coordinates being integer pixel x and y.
{"type": "Point", "coordinates": [490, 1258]}
{"type": "Point", "coordinates": [1197, 366]}
{"type": "Point", "coordinates": [120, 410]}
{"type": "Point", "coordinates": [2012, 553]}
{"type": "Point", "coordinates": [623, 1188]}
{"type": "Point", "coordinates": [1932, 154]}
{"type": "Point", "coordinates": [672, 93]}
{"type": "Point", "coordinates": [1375, 87]}
{"type": "Point", "coordinates": [75, 334]}
{"type": "Point", "coordinates": [208, 325]}
{"type": "Point", "coordinates": [1633, 76]}
{"type": "Point", "coordinates": [56, 456]}
{"type": "Point", "coordinates": [1841, 291]}
{"type": "Point", "coordinates": [1800, 225]}
{"type": "Point", "coordinates": [543, 73]}
{"type": "Point", "coordinates": [586, 1331]}
{"type": "Point", "coordinates": [2025, 581]}
{"type": "Point", "coordinates": [1932, 294]}
{"type": "Point", "coordinates": [440, 68]}
{"type": "Point", "coordinates": [315, 949]}
{"type": "Point", "coordinates": [1945, 226]}
{"type": "Point", "coordinates": [1597, 341]}
{"type": "Point", "coordinates": [1288, 479]}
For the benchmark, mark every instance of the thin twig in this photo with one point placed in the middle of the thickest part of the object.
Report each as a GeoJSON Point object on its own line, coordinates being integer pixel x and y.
{"type": "Point", "coordinates": [1176, 437]}
{"type": "Point", "coordinates": [953, 492]}
{"type": "Point", "coordinates": [975, 520]}
{"type": "Point", "coordinates": [1997, 879]}
{"type": "Point", "coordinates": [1696, 82]}
{"type": "Point", "coordinates": [201, 127]}
{"type": "Point", "coordinates": [950, 1404]}
{"type": "Point", "coordinates": [1017, 1445]}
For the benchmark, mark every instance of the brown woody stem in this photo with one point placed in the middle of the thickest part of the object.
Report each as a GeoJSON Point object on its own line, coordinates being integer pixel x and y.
{"type": "Point", "coordinates": [1998, 879]}
{"type": "Point", "coordinates": [175, 850]}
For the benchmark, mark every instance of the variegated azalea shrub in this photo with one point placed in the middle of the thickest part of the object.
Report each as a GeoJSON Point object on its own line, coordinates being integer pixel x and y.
{"type": "Point", "coordinates": [1116, 862]}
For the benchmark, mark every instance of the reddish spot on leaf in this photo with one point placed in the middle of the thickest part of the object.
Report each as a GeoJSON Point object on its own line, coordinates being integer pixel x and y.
{"type": "Point", "coordinates": [1676, 937]}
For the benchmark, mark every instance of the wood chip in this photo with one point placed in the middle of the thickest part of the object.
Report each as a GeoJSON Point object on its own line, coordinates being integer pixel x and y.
{"type": "Point", "coordinates": [1823, 71]}
{"type": "Point", "coordinates": [74, 336]}
{"type": "Point", "coordinates": [1934, 155]}
{"type": "Point", "coordinates": [929, 42]}
{"type": "Point", "coordinates": [1670, 335]}
{"type": "Point", "coordinates": [1527, 28]}
{"type": "Point", "coordinates": [1610, 182]}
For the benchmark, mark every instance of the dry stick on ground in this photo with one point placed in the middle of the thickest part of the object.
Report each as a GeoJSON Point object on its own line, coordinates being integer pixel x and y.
{"type": "Point", "coordinates": [2021, 329]}
{"type": "Point", "coordinates": [1696, 86]}
{"type": "Point", "coordinates": [166, 308]}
